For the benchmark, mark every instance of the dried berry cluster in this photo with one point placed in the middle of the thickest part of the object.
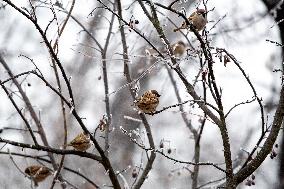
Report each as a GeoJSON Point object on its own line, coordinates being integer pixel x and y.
{"type": "Point", "coordinates": [273, 153]}
{"type": "Point", "coordinates": [132, 23]}
{"type": "Point", "coordinates": [250, 181]}
{"type": "Point", "coordinates": [169, 150]}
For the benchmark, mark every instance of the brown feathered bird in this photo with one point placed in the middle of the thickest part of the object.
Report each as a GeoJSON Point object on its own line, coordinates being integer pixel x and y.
{"type": "Point", "coordinates": [197, 19]}
{"type": "Point", "coordinates": [179, 48]}
{"type": "Point", "coordinates": [81, 142]}
{"type": "Point", "coordinates": [38, 173]}
{"type": "Point", "coordinates": [148, 102]}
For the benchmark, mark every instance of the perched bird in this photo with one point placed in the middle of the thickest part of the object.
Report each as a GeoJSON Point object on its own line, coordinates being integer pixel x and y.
{"type": "Point", "coordinates": [148, 102]}
{"type": "Point", "coordinates": [179, 48]}
{"type": "Point", "coordinates": [38, 173]}
{"type": "Point", "coordinates": [197, 19]}
{"type": "Point", "coordinates": [81, 142]}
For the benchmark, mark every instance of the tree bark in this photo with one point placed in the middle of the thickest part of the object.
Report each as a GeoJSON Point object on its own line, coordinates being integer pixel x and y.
{"type": "Point", "coordinates": [278, 7]}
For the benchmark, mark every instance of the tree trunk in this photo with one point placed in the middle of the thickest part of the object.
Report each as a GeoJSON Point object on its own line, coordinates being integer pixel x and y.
{"type": "Point", "coordinates": [278, 7]}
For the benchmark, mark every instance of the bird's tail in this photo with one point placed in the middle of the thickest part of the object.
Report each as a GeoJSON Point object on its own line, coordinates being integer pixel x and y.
{"type": "Point", "coordinates": [177, 29]}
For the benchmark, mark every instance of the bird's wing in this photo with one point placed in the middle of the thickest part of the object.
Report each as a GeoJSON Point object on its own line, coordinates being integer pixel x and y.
{"type": "Point", "coordinates": [191, 16]}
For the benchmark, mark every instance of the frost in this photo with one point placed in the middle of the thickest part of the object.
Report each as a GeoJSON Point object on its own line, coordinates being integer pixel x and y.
{"type": "Point", "coordinates": [163, 41]}
{"type": "Point", "coordinates": [136, 86]}
{"type": "Point", "coordinates": [147, 52]}
{"type": "Point", "coordinates": [174, 66]}
{"type": "Point", "coordinates": [71, 110]}
{"type": "Point", "coordinates": [54, 172]}
{"type": "Point", "coordinates": [136, 133]}
{"type": "Point", "coordinates": [132, 118]}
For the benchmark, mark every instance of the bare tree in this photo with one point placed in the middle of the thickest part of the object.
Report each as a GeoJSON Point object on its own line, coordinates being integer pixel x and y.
{"type": "Point", "coordinates": [128, 61]}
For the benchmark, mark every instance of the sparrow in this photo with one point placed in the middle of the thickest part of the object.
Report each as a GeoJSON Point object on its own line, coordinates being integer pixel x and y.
{"type": "Point", "coordinates": [197, 19]}
{"type": "Point", "coordinates": [38, 173]}
{"type": "Point", "coordinates": [148, 102]}
{"type": "Point", "coordinates": [81, 142]}
{"type": "Point", "coordinates": [179, 48]}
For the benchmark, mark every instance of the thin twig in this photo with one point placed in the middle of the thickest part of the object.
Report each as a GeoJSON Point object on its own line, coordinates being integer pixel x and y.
{"type": "Point", "coordinates": [48, 161]}
{"type": "Point", "coordinates": [152, 157]}
{"type": "Point", "coordinates": [106, 84]}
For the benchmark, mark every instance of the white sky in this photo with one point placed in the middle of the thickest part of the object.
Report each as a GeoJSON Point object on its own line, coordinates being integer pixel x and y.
{"type": "Point", "coordinates": [248, 46]}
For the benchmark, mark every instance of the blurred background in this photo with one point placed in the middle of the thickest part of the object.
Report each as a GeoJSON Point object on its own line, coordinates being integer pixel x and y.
{"type": "Point", "coordinates": [244, 28]}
